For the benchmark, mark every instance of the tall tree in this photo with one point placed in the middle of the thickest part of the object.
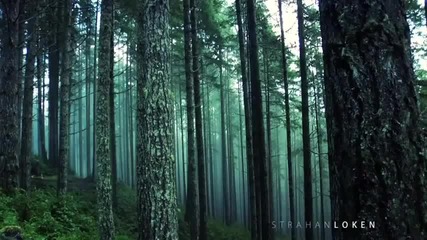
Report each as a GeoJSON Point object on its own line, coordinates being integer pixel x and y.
{"type": "Point", "coordinates": [156, 189]}
{"type": "Point", "coordinates": [259, 151]}
{"type": "Point", "coordinates": [288, 123]}
{"type": "Point", "coordinates": [54, 16]}
{"type": "Point", "coordinates": [112, 128]}
{"type": "Point", "coordinates": [27, 109]}
{"type": "Point", "coordinates": [225, 185]}
{"type": "Point", "coordinates": [248, 123]}
{"type": "Point", "coordinates": [377, 166]}
{"type": "Point", "coordinates": [203, 232]}
{"type": "Point", "coordinates": [192, 205]}
{"type": "Point", "coordinates": [9, 133]}
{"type": "Point", "coordinates": [65, 44]}
{"type": "Point", "coordinates": [308, 188]}
{"type": "Point", "coordinates": [102, 126]}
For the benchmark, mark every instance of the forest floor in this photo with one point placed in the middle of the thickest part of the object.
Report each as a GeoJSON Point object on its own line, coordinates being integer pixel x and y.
{"type": "Point", "coordinates": [40, 215]}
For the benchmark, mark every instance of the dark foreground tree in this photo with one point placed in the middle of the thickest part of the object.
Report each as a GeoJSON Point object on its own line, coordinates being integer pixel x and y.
{"type": "Point", "coordinates": [9, 122]}
{"type": "Point", "coordinates": [259, 152]}
{"type": "Point", "coordinates": [156, 191]}
{"type": "Point", "coordinates": [102, 126]}
{"type": "Point", "coordinates": [375, 147]}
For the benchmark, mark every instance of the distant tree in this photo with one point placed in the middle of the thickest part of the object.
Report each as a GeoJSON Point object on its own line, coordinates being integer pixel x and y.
{"type": "Point", "coordinates": [27, 109]}
{"type": "Point", "coordinates": [377, 166]}
{"type": "Point", "coordinates": [308, 188]}
{"type": "Point", "coordinates": [9, 121]}
{"type": "Point", "coordinates": [156, 189]}
{"type": "Point", "coordinates": [203, 232]}
{"type": "Point", "coordinates": [288, 123]}
{"type": "Point", "coordinates": [54, 18]}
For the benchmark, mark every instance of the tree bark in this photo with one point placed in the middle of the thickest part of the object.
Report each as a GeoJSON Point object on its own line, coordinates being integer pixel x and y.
{"type": "Point", "coordinates": [9, 81]}
{"type": "Point", "coordinates": [156, 191]}
{"type": "Point", "coordinates": [53, 94]}
{"type": "Point", "coordinates": [65, 44]}
{"type": "Point", "coordinates": [248, 125]}
{"type": "Point", "coordinates": [112, 128]}
{"type": "Point", "coordinates": [377, 166]}
{"type": "Point", "coordinates": [259, 151]}
{"type": "Point", "coordinates": [103, 125]}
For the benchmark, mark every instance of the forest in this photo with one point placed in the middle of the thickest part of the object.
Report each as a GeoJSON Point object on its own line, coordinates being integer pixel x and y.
{"type": "Point", "coordinates": [213, 119]}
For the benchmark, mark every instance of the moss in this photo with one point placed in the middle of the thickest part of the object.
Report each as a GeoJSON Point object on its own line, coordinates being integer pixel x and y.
{"type": "Point", "coordinates": [40, 215]}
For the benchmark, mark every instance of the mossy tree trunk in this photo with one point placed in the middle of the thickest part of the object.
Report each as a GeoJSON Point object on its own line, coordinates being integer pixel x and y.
{"type": "Point", "coordinates": [377, 166]}
{"type": "Point", "coordinates": [156, 189]}
{"type": "Point", "coordinates": [102, 126]}
{"type": "Point", "coordinates": [64, 114]}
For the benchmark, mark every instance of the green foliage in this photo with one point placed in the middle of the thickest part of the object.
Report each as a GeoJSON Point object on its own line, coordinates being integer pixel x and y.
{"type": "Point", "coordinates": [40, 215]}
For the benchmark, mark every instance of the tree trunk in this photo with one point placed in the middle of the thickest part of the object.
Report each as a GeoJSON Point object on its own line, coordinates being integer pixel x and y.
{"type": "Point", "coordinates": [259, 152]}
{"type": "Point", "coordinates": [65, 44]}
{"type": "Point", "coordinates": [53, 95]}
{"type": "Point", "coordinates": [308, 185]}
{"type": "Point", "coordinates": [157, 213]}
{"type": "Point", "coordinates": [377, 166]}
{"type": "Point", "coordinates": [203, 231]}
{"type": "Point", "coordinates": [112, 128]}
{"type": "Point", "coordinates": [27, 114]}
{"type": "Point", "coordinates": [288, 125]}
{"type": "Point", "coordinates": [192, 206]}
{"type": "Point", "coordinates": [248, 126]}
{"type": "Point", "coordinates": [40, 103]}
{"type": "Point", "coordinates": [103, 124]}
{"type": "Point", "coordinates": [88, 77]}
{"type": "Point", "coordinates": [9, 97]}
{"type": "Point", "coordinates": [319, 154]}
{"type": "Point", "coordinates": [225, 187]}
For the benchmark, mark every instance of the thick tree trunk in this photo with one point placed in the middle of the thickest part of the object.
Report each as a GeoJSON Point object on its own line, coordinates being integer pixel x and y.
{"type": "Point", "coordinates": [9, 134]}
{"type": "Point", "coordinates": [27, 114]}
{"type": "Point", "coordinates": [377, 166]}
{"type": "Point", "coordinates": [192, 205]}
{"type": "Point", "coordinates": [64, 118]}
{"type": "Point", "coordinates": [288, 125]}
{"type": "Point", "coordinates": [156, 192]}
{"type": "Point", "coordinates": [308, 185]}
{"type": "Point", "coordinates": [103, 125]}
{"type": "Point", "coordinates": [248, 126]}
{"type": "Point", "coordinates": [259, 152]}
